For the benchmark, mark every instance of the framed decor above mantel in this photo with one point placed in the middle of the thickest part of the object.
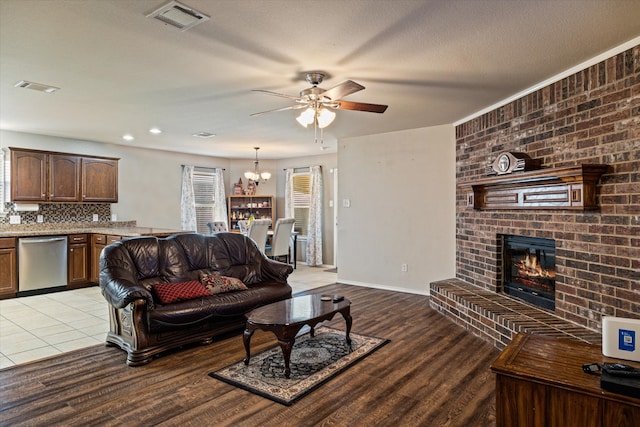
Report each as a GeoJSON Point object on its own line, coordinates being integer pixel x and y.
{"type": "Point", "coordinates": [572, 188]}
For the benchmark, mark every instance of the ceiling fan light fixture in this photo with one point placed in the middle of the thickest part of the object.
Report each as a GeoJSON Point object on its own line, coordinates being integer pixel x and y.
{"type": "Point", "coordinates": [325, 117]}
{"type": "Point", "coordinates": [306, 117]}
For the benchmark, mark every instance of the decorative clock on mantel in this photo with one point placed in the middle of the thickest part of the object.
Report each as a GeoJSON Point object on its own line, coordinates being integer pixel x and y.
{"type": "Point", "coordinates": [508, 162]}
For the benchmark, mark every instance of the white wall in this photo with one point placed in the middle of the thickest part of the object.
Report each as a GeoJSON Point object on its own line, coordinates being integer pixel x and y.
{"type": "Point", "coordinates": [401, 187]}
{"type": "Point", "coordinates": [148, 181]}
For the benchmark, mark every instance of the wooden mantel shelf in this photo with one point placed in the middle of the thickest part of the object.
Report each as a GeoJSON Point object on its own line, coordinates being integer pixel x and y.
{"type": "Point", "coordinates": [572, 187]}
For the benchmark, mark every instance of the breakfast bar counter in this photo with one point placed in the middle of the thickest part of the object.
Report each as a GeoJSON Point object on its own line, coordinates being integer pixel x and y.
{"type": "Point", "coordinates": [60, 229]}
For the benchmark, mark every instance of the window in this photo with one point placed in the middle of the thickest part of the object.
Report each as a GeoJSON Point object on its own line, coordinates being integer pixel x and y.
{"type": "Point", "coordinates": [204, 185]}
{"type": "Point", "coordinates": [301, 201]}
{"type": "Point", "coordinates": [4, 181]}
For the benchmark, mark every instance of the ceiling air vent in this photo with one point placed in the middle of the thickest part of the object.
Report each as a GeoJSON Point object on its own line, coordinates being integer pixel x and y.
{"type": "Point", "coordinates": [36, 86]}
{"type": "Point", "coordinates": [204, 135]}
{"type": "Point", "coordinates": [178, 15]}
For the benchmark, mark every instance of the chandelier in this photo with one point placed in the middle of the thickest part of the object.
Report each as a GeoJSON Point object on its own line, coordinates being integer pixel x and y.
{"type": "Point", "coordinates": [256, 175]}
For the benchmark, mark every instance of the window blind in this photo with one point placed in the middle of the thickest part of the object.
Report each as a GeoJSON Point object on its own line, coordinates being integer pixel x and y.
{"type": "Point", "coordinates": [301, 201]}
{"type": "Point", "coordinates": [4, 180]}
{"type": "Point", "coordinates": [204, 183]}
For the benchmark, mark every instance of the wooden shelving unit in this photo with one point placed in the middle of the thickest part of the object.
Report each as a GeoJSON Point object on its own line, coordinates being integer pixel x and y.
{"type": "Point", "coordinates": [242, 207]}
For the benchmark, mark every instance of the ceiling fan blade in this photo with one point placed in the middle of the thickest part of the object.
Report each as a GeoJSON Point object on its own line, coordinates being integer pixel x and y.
{"type": "Point", "coordinates": [281, 95]}
{"type": "Point", "coordinates": [361, 106]}
{"type": "Point", "coordinates": [291, 107]}
{"type": "Point", "coordinates": [342, 90]}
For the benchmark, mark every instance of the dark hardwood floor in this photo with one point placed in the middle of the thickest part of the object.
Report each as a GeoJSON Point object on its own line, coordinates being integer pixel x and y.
{"type": "Point", "coordinates": [432, 373]}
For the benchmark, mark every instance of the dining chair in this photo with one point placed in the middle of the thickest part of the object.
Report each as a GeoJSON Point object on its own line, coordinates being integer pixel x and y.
{"type": "Point", "coordinates": [258, 232]}
{"type": "Point", "coordinates": [281, 240]}
{"type": "Point", "coordinates": [217, 227]}
{"type": "Point", "coordinates": [243, 225]}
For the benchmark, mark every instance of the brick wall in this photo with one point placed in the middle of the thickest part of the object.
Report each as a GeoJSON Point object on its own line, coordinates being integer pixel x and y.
{"type": "Point", "coordinates": [592, 116]}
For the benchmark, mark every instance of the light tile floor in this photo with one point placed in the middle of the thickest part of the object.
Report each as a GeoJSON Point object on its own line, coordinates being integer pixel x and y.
{"type": "Point", "coordinates": [44, 325]}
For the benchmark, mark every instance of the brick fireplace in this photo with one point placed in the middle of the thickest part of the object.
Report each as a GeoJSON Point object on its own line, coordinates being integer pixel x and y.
{"type": "Point", "coordinates": [590, 117]}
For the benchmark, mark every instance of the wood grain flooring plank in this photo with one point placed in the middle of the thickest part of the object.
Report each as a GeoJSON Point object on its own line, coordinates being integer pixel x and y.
{"type": "Point", "coordinates": [432, 373]}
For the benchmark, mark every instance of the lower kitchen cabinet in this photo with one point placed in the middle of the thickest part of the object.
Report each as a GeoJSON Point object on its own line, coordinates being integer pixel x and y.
{"type": "Point", "coordinates": [8, 267]}
{"type": "Point", "coordinates": [78, 260]}
{"type": "Point", "coordinates": [98, 242]}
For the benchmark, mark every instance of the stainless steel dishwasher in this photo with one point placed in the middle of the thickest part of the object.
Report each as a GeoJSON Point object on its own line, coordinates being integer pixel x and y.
{"type": "Point", "coordinates": [42, 263]}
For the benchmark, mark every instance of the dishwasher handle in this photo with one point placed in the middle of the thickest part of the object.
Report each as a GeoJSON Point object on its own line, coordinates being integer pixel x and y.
{"type": "Point", "coordinates": [43, 240]}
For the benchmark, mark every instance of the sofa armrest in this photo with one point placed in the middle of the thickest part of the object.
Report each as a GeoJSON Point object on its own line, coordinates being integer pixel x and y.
{"type": "Point", "coordinates": [118, 281]}
{"type": "Point", "coordinates": [120, 293]}
{"type": "Point", "coordinates": [275, 270]}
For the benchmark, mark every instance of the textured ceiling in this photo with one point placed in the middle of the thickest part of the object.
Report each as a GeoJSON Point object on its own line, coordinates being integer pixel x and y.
{"type": "Point", "coordinates": [433, 62]}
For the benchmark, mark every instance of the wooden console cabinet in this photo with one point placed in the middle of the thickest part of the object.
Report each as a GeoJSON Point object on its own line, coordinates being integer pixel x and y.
{"type": "Point", "coordinates": [540, 382]}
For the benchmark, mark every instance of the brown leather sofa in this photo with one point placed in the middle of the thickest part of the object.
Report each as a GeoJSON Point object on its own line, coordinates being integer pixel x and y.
{"type": "Point", "coordinates": [143, 327]}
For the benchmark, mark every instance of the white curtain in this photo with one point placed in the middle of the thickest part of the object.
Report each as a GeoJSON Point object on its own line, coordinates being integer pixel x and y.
{"type": "Point", "coordinates": [288, 194]}
{"type": "Point", "coordinates": [219, 197]}
{"type": "Point", "coordinates": [314, 234]}
{"type": "Point", "coordinates": [188, 201]}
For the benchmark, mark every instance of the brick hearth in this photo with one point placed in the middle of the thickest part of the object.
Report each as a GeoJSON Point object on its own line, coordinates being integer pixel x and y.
{"type": "Point", "coordinates": [590, 117]}
{"type": "Point", "coordinates": [497, 318]}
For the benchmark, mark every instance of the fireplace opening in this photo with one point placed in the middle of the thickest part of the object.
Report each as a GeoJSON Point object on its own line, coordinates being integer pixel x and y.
{"type": "Point", "coordinates": [529, 269]}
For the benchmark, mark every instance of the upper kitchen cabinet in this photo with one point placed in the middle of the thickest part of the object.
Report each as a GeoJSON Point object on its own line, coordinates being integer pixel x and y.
{"type": "Point", "coordinates": [28, 176]}
{"type": "Point", "coordinates": [99, 180]}
{"type": "Point", "coordinates": [64, 178]}
{"type": "Point", "coordinates": [41, 176]}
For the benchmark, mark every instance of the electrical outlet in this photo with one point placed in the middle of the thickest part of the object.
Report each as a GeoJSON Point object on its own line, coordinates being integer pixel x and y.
{"type": "Point", "coordinates": [95, 217]}
{"type": "Point", "coordinates": [14, 219]}
{"type": "Point", "coordinates": [40, 219]}
{"type": "Point", "coordinates": [404, 268]}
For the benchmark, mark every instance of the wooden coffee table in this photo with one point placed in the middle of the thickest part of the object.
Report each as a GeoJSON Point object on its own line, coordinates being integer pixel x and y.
{"type": "Point", "coordinates": [286, 318]}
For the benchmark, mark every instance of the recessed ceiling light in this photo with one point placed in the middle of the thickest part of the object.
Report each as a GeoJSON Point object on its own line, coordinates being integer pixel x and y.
{"type": "Point", "coordinates": [128, 137]}
{"type": "Point", "coordinates": [204, 134]}
{"type": "Point", "coordinates": [155, 131]}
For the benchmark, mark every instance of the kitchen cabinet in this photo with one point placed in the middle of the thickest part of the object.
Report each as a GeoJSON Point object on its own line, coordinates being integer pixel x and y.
{"type": "Point", "coordinates": [78, 260]}
{"type": "Point", "coordinates": [98, 242]}
{"type": "Point", "coordinates": [64, 178]}
{"type": "Point", "coordinates": [28, 176]}
{"type": "Point", "coordinates": [540, 382]}
{"type": "Point", "coordinates": [99, 180]}
{"type": "Point", "coordinates": [242, 207]}
{"type": "Point", "coordinates": [8, 267]}
{"type": "Point", "coordinates": [41, 176]}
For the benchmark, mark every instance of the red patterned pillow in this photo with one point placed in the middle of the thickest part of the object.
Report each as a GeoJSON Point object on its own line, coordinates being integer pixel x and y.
{"type": "Point", "coordinates": [179, 291]}
{"type": "Point", "coordinates": [217, 284]}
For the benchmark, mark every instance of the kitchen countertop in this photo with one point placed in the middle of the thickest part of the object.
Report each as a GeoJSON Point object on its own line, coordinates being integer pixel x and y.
{"type": "Point", "coordinates": [51, 230]}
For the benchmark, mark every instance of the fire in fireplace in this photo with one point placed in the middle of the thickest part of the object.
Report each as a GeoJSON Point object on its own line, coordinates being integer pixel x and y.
{"type": "Point", "coordinates": [529, 269]}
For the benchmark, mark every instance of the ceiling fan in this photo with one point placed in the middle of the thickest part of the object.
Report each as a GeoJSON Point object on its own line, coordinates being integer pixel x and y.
{"type": "Point", "coordinates": [319, 103]}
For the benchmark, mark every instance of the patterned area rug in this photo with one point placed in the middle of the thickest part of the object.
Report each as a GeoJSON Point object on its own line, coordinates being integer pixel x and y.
{"type": "Point", "coordinates": [314, 361]}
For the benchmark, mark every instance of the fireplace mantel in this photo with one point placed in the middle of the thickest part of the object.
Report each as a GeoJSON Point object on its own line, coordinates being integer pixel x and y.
{"type": "Point", "coordinates": [572, 188]}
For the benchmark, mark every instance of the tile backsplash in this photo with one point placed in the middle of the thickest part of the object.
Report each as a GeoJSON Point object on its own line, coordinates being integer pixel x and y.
{"type": "Point", "coordinates": [60, 213]}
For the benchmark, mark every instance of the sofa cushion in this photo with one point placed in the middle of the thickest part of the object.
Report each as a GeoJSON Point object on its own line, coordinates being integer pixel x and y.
{"type": "Point", "coordinates": [217, 284]}
{"type": "Point", "coordinates": [228, 306]}
{"type": "Point", "coordinates": [168, 293]}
